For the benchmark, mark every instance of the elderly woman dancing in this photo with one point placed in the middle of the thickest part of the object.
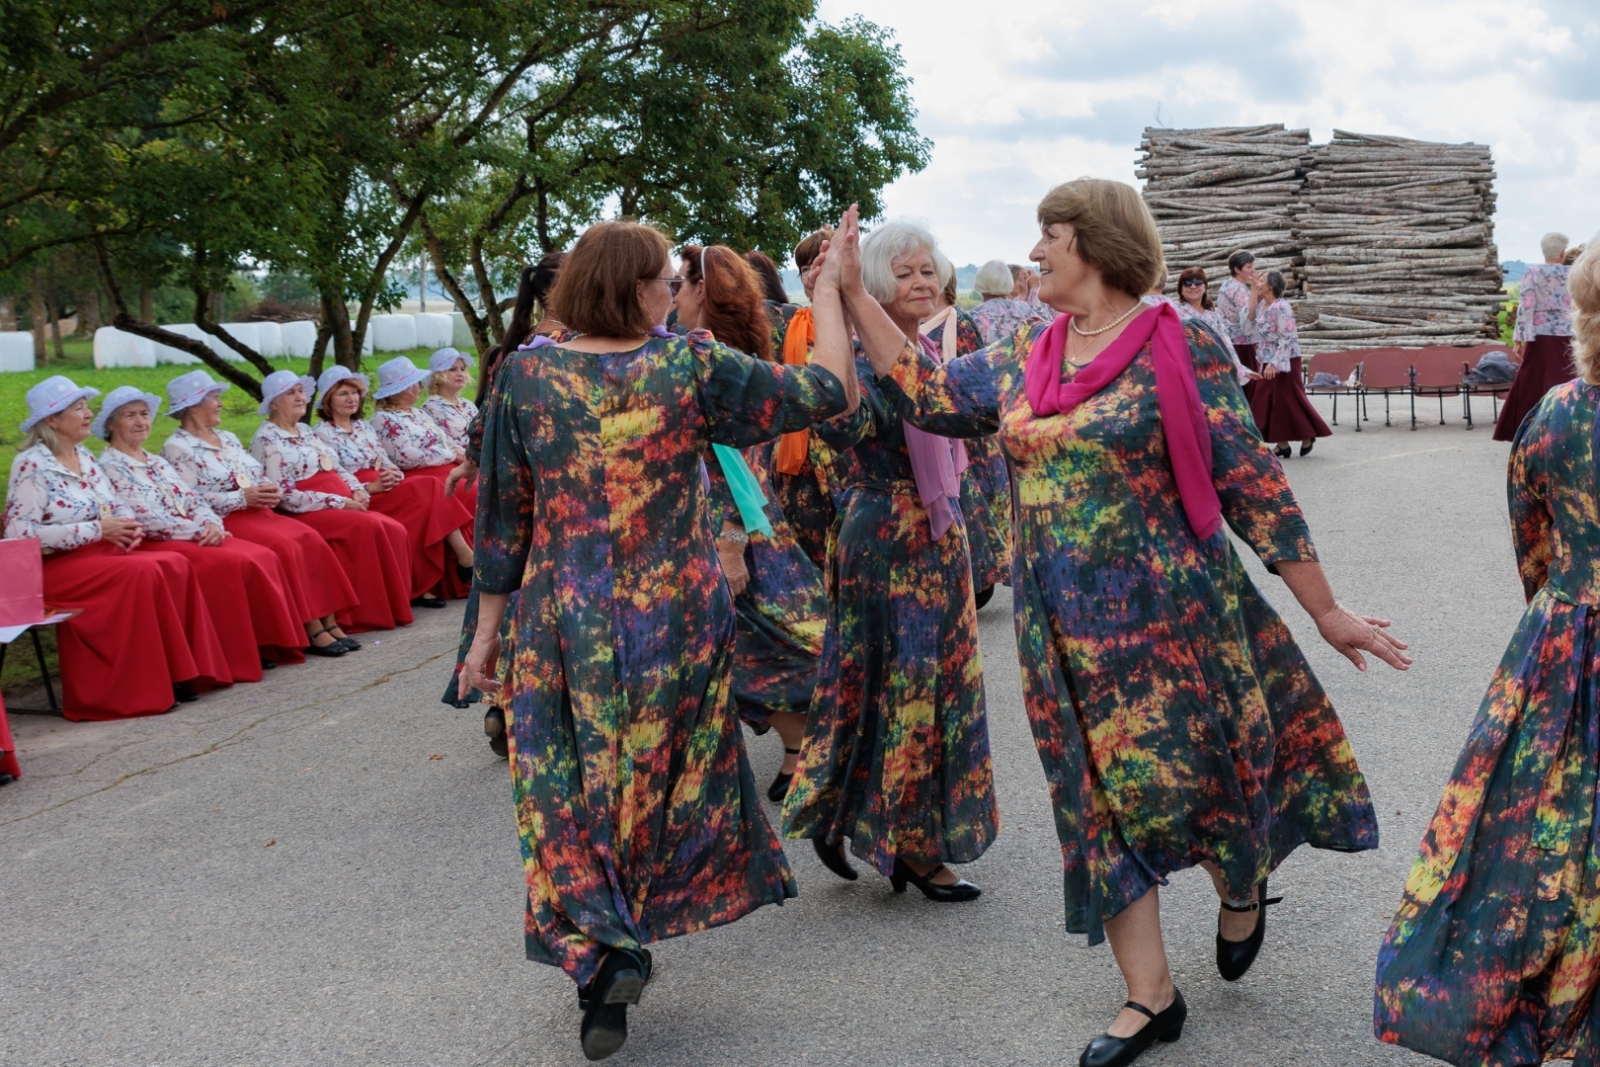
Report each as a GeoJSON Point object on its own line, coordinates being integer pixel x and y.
{"type": "Point", "coordinates": [1543, 335]}
{"type": "Point", "coordinates": [1177, 721]}
{"type": "Point", "coordinates": [637, 809]}
{"type": "Point", "coordinates": [1494, 955]}
{"type": "Point", "coordinates": [896, 755]}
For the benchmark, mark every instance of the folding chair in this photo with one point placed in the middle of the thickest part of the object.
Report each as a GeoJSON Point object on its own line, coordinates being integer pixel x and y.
{"type": "Point", "coordinates": [1341, 365]}
{"type": "Point", "coordinates": [1437, 372]}
{"type": "Point", "coordinates": [1386, 371]}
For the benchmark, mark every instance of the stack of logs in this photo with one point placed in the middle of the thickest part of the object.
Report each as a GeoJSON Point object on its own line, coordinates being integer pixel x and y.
{"type": "Point", "coordinates": [1217, 190]}
{"type": "Point", "coordinates": [1398, 239]}
{"type": "Point", "coordinates": [1383, 241]}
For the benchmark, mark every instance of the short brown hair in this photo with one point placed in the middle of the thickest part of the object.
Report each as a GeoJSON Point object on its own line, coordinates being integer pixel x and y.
{"type": "Point", "coordinates": [1116, 233]}
{"type": "Point", "coordinates": [597, 291]}
{"type": "Point", "coordinates": [807, 251]}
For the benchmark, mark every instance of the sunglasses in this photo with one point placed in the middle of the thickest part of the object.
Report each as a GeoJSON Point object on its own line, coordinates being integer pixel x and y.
{"type": "Point", "coordinates": [1194, 283]}
{"type": "Point", "coordinates": [674, 283]}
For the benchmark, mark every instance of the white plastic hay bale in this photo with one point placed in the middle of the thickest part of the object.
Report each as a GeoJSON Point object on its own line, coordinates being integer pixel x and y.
{"type": "Point", "coordinates": [269, 339]}
{"type": "Point", "coordinates": [393, 333]}
{"type": "Point", "coordinates": [16, 351]}
{"type": "Point", "coordinates": [113, 349]}
{"type": "Point", "coordinates": [460, 333]}
{"type": "Point", "coordinates": [434, 329]}
{"type": "Point", "coordinates": [299, 338]}
{"type": "Point", "coordinates": [169, 354]}
{"type": "Point", "coordinates": [246, 333]}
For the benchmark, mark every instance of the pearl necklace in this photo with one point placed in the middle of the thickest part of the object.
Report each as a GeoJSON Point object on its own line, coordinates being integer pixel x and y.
{"type": "Point", "coordinates": [1073, 322]}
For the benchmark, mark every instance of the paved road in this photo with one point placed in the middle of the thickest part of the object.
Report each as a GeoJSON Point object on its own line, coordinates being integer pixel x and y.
{"type": "Point", "coordinates": [323, 868]}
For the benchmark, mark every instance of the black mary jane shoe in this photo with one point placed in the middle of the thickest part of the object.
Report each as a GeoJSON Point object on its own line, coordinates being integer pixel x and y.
{"type": "Point", "coordinates": [1108, 1051]}
{"type": "Point", "coordinates": [1235, 957]}
{"type": "Point", "coordinates": [428, 602]}
{"type": "Point", "coordinates": [1282, 452]}
{"type": "Point", "coordinates": [618, 983]}
{"type": "Point", "coordinates": [332, 650]}
{"type": "Point", "coordinates": [780, 785]}
{"type": "Point", "coordinates": [494, 725]}
{"type": "Point", "coordinates": [184, 693]}
{"type": "Point", "coordinates": [1305, 447]}
{"type": "Point", "coordinates": [350, 644]}
{"type": "Point", "coordinates": [832, 857]}
{"type": "Point", "coordinates": [955, 893]}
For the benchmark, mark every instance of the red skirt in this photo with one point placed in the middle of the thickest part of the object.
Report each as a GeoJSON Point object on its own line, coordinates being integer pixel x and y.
{"type": "Point", "coordinates": [429, 516]}
{"type": "Point", "coordinates": [372, 549]}
{"type": "Point", "coordinates": [245, 590]}
{"type": "Point", "coordinates": [144, 626]}
{"type": "Point", "coordinates": [317, 586]}
{"type": "Point", "coordinates": [1247, 356]}
{"type": "Point", "coordinates": [467, 495]}
{"type": "Point", "coordinates": [8, 747]}
{"type": "Point", "coordinates": [1546, 363]}
{"type": "Point", "coordinates": [1282, 410]}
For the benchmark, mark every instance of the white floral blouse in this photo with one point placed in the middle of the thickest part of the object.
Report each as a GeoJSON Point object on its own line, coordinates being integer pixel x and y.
{"type": "Point", "coordinates": [357, 448]}
{"type": "Point", "coordinates": [62, 509]}
{"type": "Point", "coordinates": [453, 419]}
{"type": "Point", "coordinates": [293, 457]}
{"type": "Point", "coordinates": [1280, 337]}
{"type": "Point", "coordinates": [412, 439]}
{"type": "Point", "coordinates": [219, 475]}
{"type": "Point", "coordinates": [166, 506]}
{"type": "Point", "coordinates": [1233, 304]}
{"type": "Point", "coordinates": [1213, 318]}
{"type": "Point", "coordinates": [1544, 307]}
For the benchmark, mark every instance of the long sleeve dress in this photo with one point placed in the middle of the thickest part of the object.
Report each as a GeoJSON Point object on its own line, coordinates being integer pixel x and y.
{"type": "Point", "coordinates": [1002, 317]}
{"type": "Point", "coordinates": [1176, 719]}
{"type": "Point", "coordinates": [219, 473]}
{"type": "Point", "coordinates": [243, 583]}
{"type": "Point", "coordinates": [1280, 406]}
{"type": "Point", "coordinates": [373, 549]}
{"type": "Point", "coordinates": [637, 810]}
{"type": "Point", "coordinates": [1494, 954]}
{"type": "Point", "coordinates": [896, 752]}
{"type": "Point", "coordinates": [144, 624]}
{"type": "Point", "coordinates": [1544, 327]}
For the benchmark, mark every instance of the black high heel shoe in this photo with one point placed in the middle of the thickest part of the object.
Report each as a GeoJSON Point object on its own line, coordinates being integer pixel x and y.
{"type": "Point", "coordinates": [1235, 957]}
{"type": "Point", "coordinates": [1305, 447]}
{"type": "Point", "coordinates": [618, 983]}
{"type": "Point", "coordinates": [832, 857]}
{"type": "Point", "coordinates": [1282, 452]}
{"type": "Point", "coordinates": [1108, 1051]}
{"type": "Point", "coordinates": [780, 785]}
{"type": "Point", "coordinates": [961, 890]}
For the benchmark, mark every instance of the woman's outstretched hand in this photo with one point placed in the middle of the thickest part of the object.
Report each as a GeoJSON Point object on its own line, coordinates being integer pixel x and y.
{"type": "Point", "coordinates": [1352, 634]}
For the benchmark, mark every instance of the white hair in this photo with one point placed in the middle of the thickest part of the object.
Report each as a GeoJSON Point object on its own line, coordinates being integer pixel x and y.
{"type": "Point", "coordinates": [889, 242]}
{"type": "Point", "coordinates": [1553, 245]}
{"type": "Point", "coordinates": [994, 279]}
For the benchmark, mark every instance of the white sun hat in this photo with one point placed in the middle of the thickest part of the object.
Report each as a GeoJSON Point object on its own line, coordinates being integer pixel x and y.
{"type": "Point", "coordinates": [53, 396]}
{"type": "Point", "coordinates": [119, 397]}
{"type": "Point", "coordinates": [279, 382]}
{"type": "Point", "coordinates": [187, 390]}
{"type": "Point", "coordinates": [446, 358]}
{"type": "Point", "coordinates": [396, 376]}
{"type": "Point", "coordinates": [333, 376]}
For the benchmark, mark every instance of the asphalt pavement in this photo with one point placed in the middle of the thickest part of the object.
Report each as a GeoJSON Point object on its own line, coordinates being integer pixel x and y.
{"type": "Point", "coordinates": [323, 868]}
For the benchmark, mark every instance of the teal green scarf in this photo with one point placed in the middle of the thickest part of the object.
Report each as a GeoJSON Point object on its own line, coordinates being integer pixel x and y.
{"type": "Point", "coordinates": [747, 494]}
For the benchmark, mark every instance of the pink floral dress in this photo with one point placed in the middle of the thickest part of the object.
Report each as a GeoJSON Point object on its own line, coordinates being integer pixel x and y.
{"type": "Point", "coordinates": [452, 418]}
{"type": "Point", "coordinates": [63, 510]}
{"type": "Point", "coordinates": [165, 504]}
{"type": "Point", "coordinates": [219, 475]}
{"type": "Point", "coordinates": [290, 458]}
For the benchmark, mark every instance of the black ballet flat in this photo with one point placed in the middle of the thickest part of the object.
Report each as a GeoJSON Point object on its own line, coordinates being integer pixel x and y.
{"type": "Point", "coordinates": [780, 785]}
{"type": "Point", "coordinates": [184, 693]}
{"type": "Point", "coordinates": [428, 602]}
{"type": "Point", "coordinates": [350, 644]}
{"type": "Point", "coordinates": [333, 651]}
{"type": "Point", "coordinates": [618, 983]}
{"type": "Point", "coordinates": [985, 595]}
{"type": "Point", "coordinates": [832, 857]}
{"type": "Point", "coordinates": [1305, 449]}
{"type": "Point", "coordinates": [1235, 957]}
{"type": "Point", "coordinates": [494, 725]}
{"type": "Point", "coordinates": [1108, 1051]}
{"type": "Point", "coordinates": [957, 893]}
{"type": "Point", "coordinates": [1282, 452]}
{"type": "Point", "coordinates": [269, 664]}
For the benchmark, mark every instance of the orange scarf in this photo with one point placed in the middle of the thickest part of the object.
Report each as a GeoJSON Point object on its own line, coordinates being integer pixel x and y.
{"type": "Point", "coordinates": [797, 342]}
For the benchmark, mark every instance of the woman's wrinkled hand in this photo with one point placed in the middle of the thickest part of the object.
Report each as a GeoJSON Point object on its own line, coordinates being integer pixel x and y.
{"type": "Point", "coordinates": [264, 495]}
{"type": "Point", "coordinates": [464, 471]}
{"type": "Point", "coordinates": [124, 533]}
{"type": "Point", "coordinates": [211, 536]}
{"type": "Point", "coordinates": [1351, 634]}
{"type": "Point", "coordinates": [732, 555]}
{"type": "Point", "coordinates": [482, 662]}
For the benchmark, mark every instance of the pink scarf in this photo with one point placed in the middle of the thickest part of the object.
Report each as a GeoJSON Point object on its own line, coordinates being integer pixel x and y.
{"type": "Point", "coordinates": [936, 464]}
{"type": "Point", "coordinates": [1183, 416]}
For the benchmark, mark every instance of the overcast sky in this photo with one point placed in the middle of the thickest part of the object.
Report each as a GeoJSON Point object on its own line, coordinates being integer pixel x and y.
{"type": "Point", "coordinates": [1017, 96]}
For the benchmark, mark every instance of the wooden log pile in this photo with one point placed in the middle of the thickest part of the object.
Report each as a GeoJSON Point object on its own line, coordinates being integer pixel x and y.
{"type": "Point", "coordinates": [1214, 191]}
{"type": "Point", "coordinates": [1398, 240]}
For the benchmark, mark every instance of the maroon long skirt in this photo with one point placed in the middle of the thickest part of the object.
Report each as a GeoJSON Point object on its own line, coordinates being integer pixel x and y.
{"type": "Point", "coordinates": [144, 626]}
{"type": "Point", "coordinates": [419, 504]}
{"type": "Point", "coordinates": [1282, 410]}
{"type": "Point", "coordinates": [1546, 363]}
{"type": "Point", "coordinates": [1247, 356]}
{"type": "Point", "coordinates": [373, 550]}
{"type": "Point", "coordinates": [317, 584]}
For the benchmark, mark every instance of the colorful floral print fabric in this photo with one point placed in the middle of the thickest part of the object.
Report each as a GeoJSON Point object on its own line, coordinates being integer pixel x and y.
{"type": "Point", "coordinates": [1494, 955]}
{"type": "Point", "coordinates": [411, 439]}
{"type": "Point", "coordinates": [451, 418]}
{"type": "Point", "coordinates": [1280, 337]}
{"type": "Point", "coordinates": [896, 752]}
{"type": "Point", "coordinates": [62, 509]}
{"type": "Point", "coordinates": [166, 506]}
{"type": "Point", "coordinates": [1176, 719]}
{"type": "Point", "coordinates": [218, 474]}
{"type": "Point", "coordinates": [1544, 306]}
{"type": "Point", "coordinates": [357, 448]}
{"type": "Point", "coordinates": [287, 458]}
{"type": "Point", "coordinates": [1233, 305]}
{"type": "Point", "coordinates": [1002, 317]}
{"type": "Point", "coordinates": [638, 814]}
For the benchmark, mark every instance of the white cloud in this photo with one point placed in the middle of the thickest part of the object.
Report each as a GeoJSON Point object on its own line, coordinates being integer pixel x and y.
{"type": "Point", "coordinates": [1019, 97]}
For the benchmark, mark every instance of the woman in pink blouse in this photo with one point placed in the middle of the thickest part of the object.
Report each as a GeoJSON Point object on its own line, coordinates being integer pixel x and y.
{"type": "Point", "coordinates": [233, 485]}
{"type": "Point", "coordinates": [144, 636]}
{"type": "Point", "coordinates": [1233, 307]}
{"type": "Point", "coordinates": [432, 520]}
{"type": "Point", "coordinates": [1279, 404]}
{"type": "Point", "coordinates": [233, 574]}
{"type": "Point", "coordinates": [1543, 336]}
{"type": "Point", "coordinates": [372, 548]}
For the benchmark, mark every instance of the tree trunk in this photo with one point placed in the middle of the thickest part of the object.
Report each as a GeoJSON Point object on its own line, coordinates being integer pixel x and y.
{"type": "Point", "coordinates": [38, 312]}
{"type": "Point", "coordinates": [8, 313]}
{"type": "Point", "coordinates": [336, 318]}
{"type": "Point", "coordinates": [53, 313]}
{"type": "Point", "coordinates": [88, 312]}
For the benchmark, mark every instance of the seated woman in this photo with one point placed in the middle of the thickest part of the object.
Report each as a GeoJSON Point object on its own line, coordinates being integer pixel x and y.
{"type": "Point", "coordinates": [372, 548]}
{"type": "Point", "coordinates": [432, 520]}
{"type": "Point", "coordinates": [233, 485]}
{"type": "Point", "coordinates": [445, 405]}
{"type": "Point", "coordinates": [144, 635]}
{"type": "Point", "coordinates": [232, 573]}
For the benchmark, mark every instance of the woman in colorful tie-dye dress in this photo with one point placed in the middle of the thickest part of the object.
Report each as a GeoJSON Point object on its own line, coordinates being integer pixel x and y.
{"type": "Point", "coordinates": [1178, 723]}
{"type": "Point", "coordinates": [1494, 956]}
{"type": "Point", "coordinates": [638, 814]}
